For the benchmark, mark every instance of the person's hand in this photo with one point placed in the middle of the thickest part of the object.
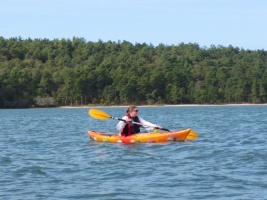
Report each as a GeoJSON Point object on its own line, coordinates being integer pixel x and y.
{"type": "Point", "coordinates": [127, 120]}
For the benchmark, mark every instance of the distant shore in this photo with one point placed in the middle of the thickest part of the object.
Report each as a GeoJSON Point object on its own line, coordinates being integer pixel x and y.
{"type": "Point", "coordinates": [164, 105]}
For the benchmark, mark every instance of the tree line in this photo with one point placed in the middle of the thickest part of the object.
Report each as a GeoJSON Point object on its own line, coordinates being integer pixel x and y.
{"type": "Point", "coordinates": [43, 72]}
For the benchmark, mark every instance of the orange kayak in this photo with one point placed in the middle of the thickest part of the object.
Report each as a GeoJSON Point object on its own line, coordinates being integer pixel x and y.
{"type": "Point", "coordinates": [152, 137]}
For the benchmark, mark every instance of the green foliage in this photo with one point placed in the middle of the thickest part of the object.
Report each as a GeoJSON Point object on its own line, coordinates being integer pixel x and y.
{"type": "Point", "coordinates": [42, 72]}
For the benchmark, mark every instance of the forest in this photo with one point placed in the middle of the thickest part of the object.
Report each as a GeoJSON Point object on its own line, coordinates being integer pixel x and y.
{"type": "Point", "coordinates": [68, 72]}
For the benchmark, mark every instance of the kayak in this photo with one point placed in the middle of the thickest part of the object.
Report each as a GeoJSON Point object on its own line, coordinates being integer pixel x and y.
{"type": "Point", "coordinates": [152, 137]}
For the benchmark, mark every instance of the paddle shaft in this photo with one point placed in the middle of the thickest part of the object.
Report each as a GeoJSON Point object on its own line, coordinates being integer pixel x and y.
{"type": "Point", "coordinates": [164, 129]}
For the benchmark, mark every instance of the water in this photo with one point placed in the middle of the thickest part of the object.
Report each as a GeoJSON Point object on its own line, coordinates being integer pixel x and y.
{"type": "Point", "coordinates": [46, 154]}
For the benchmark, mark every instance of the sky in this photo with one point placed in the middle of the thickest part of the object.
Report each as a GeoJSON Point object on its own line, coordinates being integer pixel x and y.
{"type": "Point", "coordinates": [240, 23]}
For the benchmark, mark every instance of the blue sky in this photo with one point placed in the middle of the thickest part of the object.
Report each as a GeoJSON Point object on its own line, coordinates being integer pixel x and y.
{"type": "Point", "coordinates": [240, 23]}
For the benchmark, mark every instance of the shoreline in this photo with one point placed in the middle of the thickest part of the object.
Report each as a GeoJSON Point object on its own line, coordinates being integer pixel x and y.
{"type": "Point", "coordinates": [165, 105]}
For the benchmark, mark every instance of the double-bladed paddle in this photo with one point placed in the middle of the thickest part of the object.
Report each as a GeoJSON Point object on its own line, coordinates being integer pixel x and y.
{"type": "Point", "coordinates": [99, 114]}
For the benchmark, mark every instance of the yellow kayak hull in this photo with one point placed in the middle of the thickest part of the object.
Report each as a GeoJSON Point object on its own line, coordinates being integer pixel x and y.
{"type": "Point", "coordinates": [152, 137]}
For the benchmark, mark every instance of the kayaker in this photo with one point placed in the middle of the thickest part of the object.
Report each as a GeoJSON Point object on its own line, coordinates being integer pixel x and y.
{"type": "Point", "coordinates": [127, 127]}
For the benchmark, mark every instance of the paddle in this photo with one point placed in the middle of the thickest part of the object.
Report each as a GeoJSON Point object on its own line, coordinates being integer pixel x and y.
{"type": "Point", "coordinates": [99, 114]}
{"type": "Point", "coordinates": [192, 135]}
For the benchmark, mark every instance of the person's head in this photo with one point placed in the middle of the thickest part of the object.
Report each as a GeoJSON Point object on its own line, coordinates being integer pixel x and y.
{"type": "Point", "coordinates": [132, 110]}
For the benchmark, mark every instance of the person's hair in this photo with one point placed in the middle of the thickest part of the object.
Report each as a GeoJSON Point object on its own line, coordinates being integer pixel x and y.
{"type": "Point", "coordinates": [131, 108]}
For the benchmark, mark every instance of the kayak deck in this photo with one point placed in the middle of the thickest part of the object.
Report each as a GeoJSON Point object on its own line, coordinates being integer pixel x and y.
{"type": "Point", "coordinates": [152, 137]}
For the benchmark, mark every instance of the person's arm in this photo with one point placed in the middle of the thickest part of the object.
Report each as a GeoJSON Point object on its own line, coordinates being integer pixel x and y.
{"type": "Point", "coordinates": [121, 124]}
{"type": "Point", "coordinates": [148, 125]}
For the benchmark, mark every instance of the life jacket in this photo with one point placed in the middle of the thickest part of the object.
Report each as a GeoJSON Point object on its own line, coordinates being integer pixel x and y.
{"type": "Point", "coordinates": [131, 128]}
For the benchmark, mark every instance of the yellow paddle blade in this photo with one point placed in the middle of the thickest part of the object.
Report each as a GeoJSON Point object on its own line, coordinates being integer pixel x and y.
{"type": "Point", "coordinates": [98, 114]}
{"type": "Point", "coordinates": [192, 135]}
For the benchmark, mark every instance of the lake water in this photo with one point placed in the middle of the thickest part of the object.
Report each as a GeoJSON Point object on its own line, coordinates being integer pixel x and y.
{"type": "Point", "coordinates": [46, 154]}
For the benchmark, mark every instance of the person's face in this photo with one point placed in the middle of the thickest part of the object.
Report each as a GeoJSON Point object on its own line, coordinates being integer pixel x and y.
{"type": "Point", "coordinates": [134, 112]}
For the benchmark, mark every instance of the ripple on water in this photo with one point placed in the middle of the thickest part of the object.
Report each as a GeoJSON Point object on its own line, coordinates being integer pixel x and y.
{"type": "Point", "coordinates": [46, 154]}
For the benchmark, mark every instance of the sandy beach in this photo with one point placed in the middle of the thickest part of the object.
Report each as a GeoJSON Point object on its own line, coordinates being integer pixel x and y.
{"type": "Point", "coordinates": [165, 105]}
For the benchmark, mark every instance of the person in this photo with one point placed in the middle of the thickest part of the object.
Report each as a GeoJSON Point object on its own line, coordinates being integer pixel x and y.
{"type": "Point", "coordinates": [128, 127]}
